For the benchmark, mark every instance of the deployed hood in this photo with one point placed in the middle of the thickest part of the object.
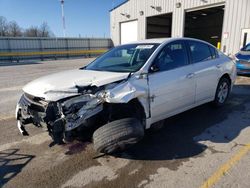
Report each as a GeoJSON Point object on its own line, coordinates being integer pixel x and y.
{"type": "Point", "coordinates": [64, 84]}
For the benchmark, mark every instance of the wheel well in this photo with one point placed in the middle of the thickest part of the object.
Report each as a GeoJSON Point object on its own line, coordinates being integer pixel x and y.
{"type": "Point", "coordinates": [227, 77]}
{"type": "Point", "coordinates": [124, 110]}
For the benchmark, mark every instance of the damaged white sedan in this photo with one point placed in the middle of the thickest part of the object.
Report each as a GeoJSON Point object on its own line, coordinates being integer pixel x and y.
{"type": "Point", "coordinates": [127, 90]}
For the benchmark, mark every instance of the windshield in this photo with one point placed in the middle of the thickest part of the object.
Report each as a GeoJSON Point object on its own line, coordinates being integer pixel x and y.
{"type": "Point", "coordinates": [246, 48]}
{"type": "Point", "coordinates": [125, 58]}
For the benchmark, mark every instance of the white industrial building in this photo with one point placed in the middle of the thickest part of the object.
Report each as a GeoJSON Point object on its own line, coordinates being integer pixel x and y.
{"type": "Point", "coordinates": [224, 23]}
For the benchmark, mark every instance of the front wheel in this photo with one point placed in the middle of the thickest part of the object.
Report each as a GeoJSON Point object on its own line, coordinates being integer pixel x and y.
{"type": "Point", "coordinates": [118, 135]}
{"type": "Point", "coordinates": [222, 92]}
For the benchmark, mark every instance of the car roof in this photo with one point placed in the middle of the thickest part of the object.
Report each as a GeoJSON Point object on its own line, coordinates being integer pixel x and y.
{"type": "Point", "coordinates": [154, 40]}
{"type": "Point", "coordinates": [164, 40]}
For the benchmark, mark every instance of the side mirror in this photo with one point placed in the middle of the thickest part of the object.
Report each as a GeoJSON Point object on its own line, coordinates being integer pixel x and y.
{"type": "Point", "coordinates": [154, 68]}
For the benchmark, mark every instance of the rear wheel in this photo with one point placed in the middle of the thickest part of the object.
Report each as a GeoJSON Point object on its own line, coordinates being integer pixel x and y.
{"type": "Point", "coordinates": [118, 135]}
{"type": "Point", "coordinates": [222, 92]}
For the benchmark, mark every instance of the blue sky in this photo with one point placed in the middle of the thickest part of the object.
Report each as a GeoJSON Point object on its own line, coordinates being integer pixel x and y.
{"type": "Point", "coordinates": [83, 17]}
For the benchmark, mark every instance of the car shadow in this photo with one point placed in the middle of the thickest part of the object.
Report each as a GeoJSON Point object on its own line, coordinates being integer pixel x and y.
{"type": "Point", "coordinates": [244, 75]}
{"type": "Point", "coordinates": [182, 134]}
{"type": "Point", "coordinates": [11, 163]}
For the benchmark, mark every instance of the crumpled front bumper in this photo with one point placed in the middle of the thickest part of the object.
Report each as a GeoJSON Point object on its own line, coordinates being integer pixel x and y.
{"type": "Point", "coordinates": [29, 111]}
{"type": "Point", "coordinates": [39, 112]}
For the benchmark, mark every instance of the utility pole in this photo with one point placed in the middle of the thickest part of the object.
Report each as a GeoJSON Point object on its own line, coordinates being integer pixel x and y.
{"type": "Point", "coordinates": [63, 18]}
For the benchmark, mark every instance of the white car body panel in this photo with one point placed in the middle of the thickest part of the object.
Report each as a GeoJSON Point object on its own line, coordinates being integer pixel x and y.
{"type": "Point", "coordinates": [162, 94]}
{"type": "Point", "coordinates": [135, 88]}
{"type": "Point", "coordinates": [206, 75]}
{"type": "Point", "coordinates": [170, 90]}
{"type": "Point", "coordinates": [61, 85]}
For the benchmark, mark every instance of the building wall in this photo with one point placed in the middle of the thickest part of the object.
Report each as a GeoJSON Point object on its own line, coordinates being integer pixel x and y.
{"type": "Point", "coordinates": [236, 17]}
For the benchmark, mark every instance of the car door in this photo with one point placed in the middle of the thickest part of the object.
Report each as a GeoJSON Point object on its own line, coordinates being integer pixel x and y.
{"type": "Point", "coordinates": [171, 82]}
{"type": "Point", "coordinates": [206, 68]}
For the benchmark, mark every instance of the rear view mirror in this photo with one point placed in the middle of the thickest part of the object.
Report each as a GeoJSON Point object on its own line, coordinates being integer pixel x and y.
{"type": "Point", "coordinates": [130, 52]}
{"type": "Point", "coordinates": [118, 54]}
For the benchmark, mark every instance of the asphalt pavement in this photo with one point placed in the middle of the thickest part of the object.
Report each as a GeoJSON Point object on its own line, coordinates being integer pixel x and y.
{"type": "Point", "coordinates": [203, 147]}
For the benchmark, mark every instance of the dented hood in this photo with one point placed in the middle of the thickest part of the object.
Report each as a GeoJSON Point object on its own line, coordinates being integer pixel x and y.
{"type": "Point", "coordinates": [61, 85]}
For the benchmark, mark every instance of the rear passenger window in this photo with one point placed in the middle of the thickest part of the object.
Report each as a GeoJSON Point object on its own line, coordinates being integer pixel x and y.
{"type": "Point", "coordinates": [199, 51]}
{"type": "Point", "coordinates": [172, 56]}
{"type": "Point", "coordinates": [214, 52]}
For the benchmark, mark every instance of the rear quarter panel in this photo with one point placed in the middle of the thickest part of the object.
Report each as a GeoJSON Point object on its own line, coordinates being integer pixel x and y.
{"type": "Point", "coordinates": [228, 67]}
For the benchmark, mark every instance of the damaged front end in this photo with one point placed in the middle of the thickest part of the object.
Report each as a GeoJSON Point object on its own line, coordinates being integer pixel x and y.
{"type": "Point", "coordinates": [61, 117]}
{"type": "Point", "coordinates": [80, 113]}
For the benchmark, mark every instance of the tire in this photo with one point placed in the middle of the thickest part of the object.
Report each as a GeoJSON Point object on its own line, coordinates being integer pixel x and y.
{"type": "Point", "coordinates": [118, 135]}
{"type": "Point", "coordinates": [222, 92]}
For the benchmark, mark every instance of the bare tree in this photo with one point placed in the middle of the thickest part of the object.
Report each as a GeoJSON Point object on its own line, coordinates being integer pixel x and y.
{"type": "Point", "coordinates": [14, 30]}
{"type": "Point", "coordinates": [3, 26]}
{"type": "Point", "coordinates": [44, 30]}
{"type": "Point", "coordinates": [33, 31]}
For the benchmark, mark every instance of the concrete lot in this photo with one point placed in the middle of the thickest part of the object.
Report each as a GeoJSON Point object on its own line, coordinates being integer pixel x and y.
{"type": "Point", "coordinates": [203, 147]}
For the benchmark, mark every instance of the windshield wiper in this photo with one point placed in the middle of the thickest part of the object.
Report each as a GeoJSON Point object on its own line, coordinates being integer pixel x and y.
{"type": "Point", "coordinates": [83, 68]}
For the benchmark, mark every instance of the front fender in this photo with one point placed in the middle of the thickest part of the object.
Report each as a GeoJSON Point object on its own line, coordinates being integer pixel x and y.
{"type": "Point", "coordinates": [129, 90]}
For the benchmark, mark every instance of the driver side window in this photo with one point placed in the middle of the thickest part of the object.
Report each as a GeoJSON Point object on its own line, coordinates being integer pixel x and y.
{"type": "Point", "coordinates": [172, 56]}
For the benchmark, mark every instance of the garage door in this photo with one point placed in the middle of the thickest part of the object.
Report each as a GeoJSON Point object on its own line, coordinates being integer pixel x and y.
{"type": "Point", "coordinates": [129, 32]}
{"type": "Point", "coordinates": [159, 26]}
{"type": "Point", "coordinates": [205, 24]}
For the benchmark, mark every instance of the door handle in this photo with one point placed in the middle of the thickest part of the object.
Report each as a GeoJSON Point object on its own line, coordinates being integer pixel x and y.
{"type": "Point", "coordinates": [190, 75]}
